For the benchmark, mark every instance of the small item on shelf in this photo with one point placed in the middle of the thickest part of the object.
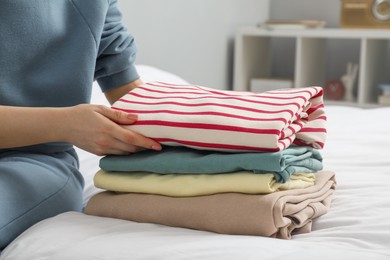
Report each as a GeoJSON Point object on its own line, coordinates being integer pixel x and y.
{"type": "Point", "coordinates": [334, 90]}
{"type": "Point", "coordinates": [384, 100]}
{"type": "Point", "coordinates": [293, 24]}
{"type": "Point", "coordinates": [349, 80]}
{"type": "Point", "coordinates": [266, 84]}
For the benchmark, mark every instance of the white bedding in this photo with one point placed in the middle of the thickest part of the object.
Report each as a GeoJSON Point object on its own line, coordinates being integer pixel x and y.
{"type": "Point", "coordinates": [357, 225]}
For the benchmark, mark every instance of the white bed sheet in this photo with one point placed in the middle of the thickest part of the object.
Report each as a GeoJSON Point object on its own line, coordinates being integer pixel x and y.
{"type": "Point", "coordinates": [357, 225]}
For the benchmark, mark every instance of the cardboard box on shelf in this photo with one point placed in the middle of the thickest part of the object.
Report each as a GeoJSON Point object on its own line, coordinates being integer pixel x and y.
{"type": "Point", "coordinates": [365, 14]}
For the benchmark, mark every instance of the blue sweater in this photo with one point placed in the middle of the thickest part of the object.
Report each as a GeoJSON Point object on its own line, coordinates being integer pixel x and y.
{"type": "Point", "coordinates": [51, 51]}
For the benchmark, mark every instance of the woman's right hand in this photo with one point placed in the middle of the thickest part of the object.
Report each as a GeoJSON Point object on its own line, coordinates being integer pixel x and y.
{"type": "Point", "coordinates": [97, 129]}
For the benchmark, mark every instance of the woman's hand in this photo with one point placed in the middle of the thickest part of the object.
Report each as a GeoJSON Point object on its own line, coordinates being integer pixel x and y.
{"type": "Point", "coordinates": [96, 129]}
{"type": "Point", "coordinates": [93, 128]}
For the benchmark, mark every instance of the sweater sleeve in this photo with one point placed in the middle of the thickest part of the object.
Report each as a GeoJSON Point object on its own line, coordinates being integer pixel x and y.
{"type": "Point", "coordinates": [115, 64]}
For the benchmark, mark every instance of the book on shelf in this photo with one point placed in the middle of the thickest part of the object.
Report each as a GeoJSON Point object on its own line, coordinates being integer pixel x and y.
{"type": "Point", "coordinates": [293, 24]}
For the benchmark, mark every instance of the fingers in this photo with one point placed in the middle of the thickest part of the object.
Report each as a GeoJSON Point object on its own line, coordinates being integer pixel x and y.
{"type": "Point", "coordinates": [118, 147]}
{"type": "Point", "coordinates": [129, 137]}
{"type": "Point", "coordinates": [127, 141]}
{"type": "Point", "coordinates": [122, 149]}
{"type": "Point", "coordinates": [118, 116]}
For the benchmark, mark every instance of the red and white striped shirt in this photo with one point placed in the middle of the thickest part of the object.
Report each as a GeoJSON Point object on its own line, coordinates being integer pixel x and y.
{"type": "Point", "coordinates": [222, 120]}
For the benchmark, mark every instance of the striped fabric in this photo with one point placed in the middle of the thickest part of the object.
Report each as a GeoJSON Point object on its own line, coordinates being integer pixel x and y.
{"type": "Point", "coordinates": [222, 120]}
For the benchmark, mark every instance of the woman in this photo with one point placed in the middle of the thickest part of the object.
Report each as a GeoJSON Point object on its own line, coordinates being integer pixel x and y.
{"type": "Point", "coordinates": [50, 53]}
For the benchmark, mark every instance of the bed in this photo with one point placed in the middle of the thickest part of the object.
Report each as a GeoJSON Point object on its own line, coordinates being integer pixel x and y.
{"type": "Point", "coordinates": [356, 226]}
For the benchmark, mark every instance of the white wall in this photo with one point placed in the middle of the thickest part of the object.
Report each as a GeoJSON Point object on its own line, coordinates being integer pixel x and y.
{"type": "Point", "coordinates": [191, 38]}
{"type": "Point", "coordinates": [328, 10]}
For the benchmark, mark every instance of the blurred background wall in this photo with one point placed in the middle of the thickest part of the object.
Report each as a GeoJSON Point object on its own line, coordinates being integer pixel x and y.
{"type": "Point", "coordinates": [194, 38]}
{"type": "Point", "coordinates": [191, 38]}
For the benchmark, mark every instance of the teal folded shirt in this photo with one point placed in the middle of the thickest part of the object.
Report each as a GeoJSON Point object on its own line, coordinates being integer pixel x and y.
{"type": "Point", "coordinates": [182, 160]}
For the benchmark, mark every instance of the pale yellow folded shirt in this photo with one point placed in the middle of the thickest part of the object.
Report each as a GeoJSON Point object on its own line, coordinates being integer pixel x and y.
{"type": "Point", "coordinates": [179, 185]}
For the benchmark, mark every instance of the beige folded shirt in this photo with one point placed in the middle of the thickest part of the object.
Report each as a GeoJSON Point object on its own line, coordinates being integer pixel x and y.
{"type": "Point", "coordinates": [278, 214]}
{"type": "Point", "coordinates": [180, 185]}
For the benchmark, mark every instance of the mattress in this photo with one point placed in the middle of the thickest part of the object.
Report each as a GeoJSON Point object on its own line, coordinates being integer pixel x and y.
{"type": "Point", "coordinates": [357, 225]}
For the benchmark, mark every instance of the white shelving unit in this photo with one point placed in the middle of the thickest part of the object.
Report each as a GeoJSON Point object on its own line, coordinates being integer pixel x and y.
{"type": "Point", "coordinates": [253, 57]}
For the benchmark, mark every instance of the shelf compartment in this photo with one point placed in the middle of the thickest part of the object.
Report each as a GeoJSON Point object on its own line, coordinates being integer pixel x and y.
{"type": "Point", "coordinates": [253, 57]}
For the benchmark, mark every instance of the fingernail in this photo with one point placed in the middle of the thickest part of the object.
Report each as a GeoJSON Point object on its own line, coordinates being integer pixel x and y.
{"type": "Point", "coordinates": [132, 116]}
{"type": "Point", "coordinates": [156, 147]}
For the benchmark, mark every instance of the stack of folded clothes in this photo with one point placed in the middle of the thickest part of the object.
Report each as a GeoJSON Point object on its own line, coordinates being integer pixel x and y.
{"type": "Point", "coordinates": [232, 162]}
